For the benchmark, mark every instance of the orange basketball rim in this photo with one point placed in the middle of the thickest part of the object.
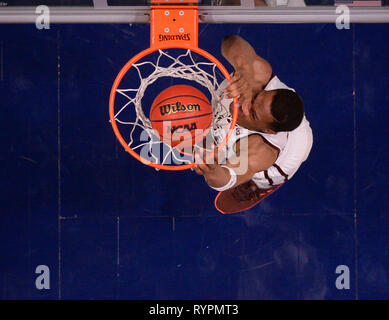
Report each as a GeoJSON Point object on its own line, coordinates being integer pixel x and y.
{"type": "Point", "coordinates": [173, 24]}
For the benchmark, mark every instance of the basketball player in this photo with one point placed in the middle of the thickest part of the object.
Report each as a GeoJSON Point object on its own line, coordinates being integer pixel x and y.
{"type": "Point", "coordinates": [271, 123]}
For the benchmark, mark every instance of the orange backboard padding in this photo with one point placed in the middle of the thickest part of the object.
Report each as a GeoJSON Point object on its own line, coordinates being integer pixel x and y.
{"type": "Point", "coordinates": [174, 26]}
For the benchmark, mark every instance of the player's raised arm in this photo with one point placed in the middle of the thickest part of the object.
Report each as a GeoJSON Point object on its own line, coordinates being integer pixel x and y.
{"type": "Point", "coordinates": [252, 156]}
{"type": "Point", "coordinates": [252, 72]}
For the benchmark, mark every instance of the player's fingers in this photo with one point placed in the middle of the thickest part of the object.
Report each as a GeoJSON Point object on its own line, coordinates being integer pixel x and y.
{"type": "Point", "coordinates": [198, 170]}
{"type": "Point", "coordinates": [205, 168]}
{"type": "Point", "coordinates": [212, 166]}
{"type": "Point", "coordinates": [246, 107]}
{"type": "Point", "coordinates": [198, 156]}
{"type": "Point", "coordinates": [210, 161]}
{"type": "Point", "coordinates": [233, 82]}
{"type": "Point", "coordinates": [199, 167]}
{"type": "Point", "coordinates": [235, 77]}
{"type": "Point", "coordinates": [232, 91]}
{"type": "Point", "coordinates": [216, 154]}
{"type": "Point", "coordinates": [201, 162]}
{"type": "Point", "coordinates": [239, 88]}
{"type": "Point", "coordinates": [236, 83]}
{"type": "Point", "coordinates": [198, 159]}
{"type": "Point", "coordinates": [232, 94]}
{"type": "Point", "coordinates": [245, 102]}
{"type": "Point", "coordinates": [235, 92]}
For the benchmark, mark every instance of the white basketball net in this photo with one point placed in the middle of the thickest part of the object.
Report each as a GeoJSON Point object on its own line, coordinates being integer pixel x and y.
{"type": "Point", "coordinates": [186, 66]}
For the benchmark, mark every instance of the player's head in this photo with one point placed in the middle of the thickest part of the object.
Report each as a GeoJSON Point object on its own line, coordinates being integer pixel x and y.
{"type": "Point", "coordinates": [273, 111]}
{"type": "Point", "coordinates": [287, 109]}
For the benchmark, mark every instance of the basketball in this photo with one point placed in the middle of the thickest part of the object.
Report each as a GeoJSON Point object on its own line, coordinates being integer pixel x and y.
{"type": "Point", "coordinates": [181, 114]}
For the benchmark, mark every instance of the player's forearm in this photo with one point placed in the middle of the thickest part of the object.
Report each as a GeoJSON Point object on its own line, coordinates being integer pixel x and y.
{"type": "Point", "coordinates": [222, 177]}
{"type": "Point", "coordinates": [217, 178]}
{"type": "Point", "coordinates": [238, 52]}
{"type": "Point", "coordinates": [244, 59]}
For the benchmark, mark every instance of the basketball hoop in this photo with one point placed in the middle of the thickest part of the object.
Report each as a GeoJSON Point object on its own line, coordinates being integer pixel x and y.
{"type": "Point", "coordinates": [173, 53]}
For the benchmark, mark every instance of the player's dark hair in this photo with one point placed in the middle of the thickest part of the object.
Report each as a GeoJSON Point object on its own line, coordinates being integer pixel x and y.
{"type": "Point", "coordinates": [287, 109]}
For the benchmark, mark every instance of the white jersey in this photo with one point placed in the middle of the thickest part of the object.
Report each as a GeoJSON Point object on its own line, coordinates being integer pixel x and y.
{"type": "Point", "coordinates": [293, 146]}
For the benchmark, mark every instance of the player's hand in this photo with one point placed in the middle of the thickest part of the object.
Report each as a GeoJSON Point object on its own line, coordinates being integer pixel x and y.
{"type": "Point", "coordinates": [241, 85]}
{"type": "Point", "coordinates": [206, 164]}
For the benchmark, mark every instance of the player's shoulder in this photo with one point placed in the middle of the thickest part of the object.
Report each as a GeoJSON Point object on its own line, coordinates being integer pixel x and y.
{"type": "Point", "coordinates": [257, 143]}
{"type": "Point", "coordinates": [256, 139]}
{"type": "Point", "coordinates": [259, 152]}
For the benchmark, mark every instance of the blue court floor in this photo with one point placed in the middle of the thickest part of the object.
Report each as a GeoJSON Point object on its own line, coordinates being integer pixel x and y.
{"type": "Point", "coordinates": [109, 227]}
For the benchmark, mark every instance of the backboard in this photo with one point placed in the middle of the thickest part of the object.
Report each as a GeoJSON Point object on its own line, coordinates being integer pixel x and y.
{"type": "Point", "coordinates": [242, 4]}
{"type": "Point", "coordinates": [210, 11]}
{"type": "Point", "coordinates": [113, 3]}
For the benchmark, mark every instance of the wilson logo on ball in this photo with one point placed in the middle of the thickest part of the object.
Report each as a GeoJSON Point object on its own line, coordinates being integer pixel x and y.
{"type": "Point", "coordinates": [178, 107]}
